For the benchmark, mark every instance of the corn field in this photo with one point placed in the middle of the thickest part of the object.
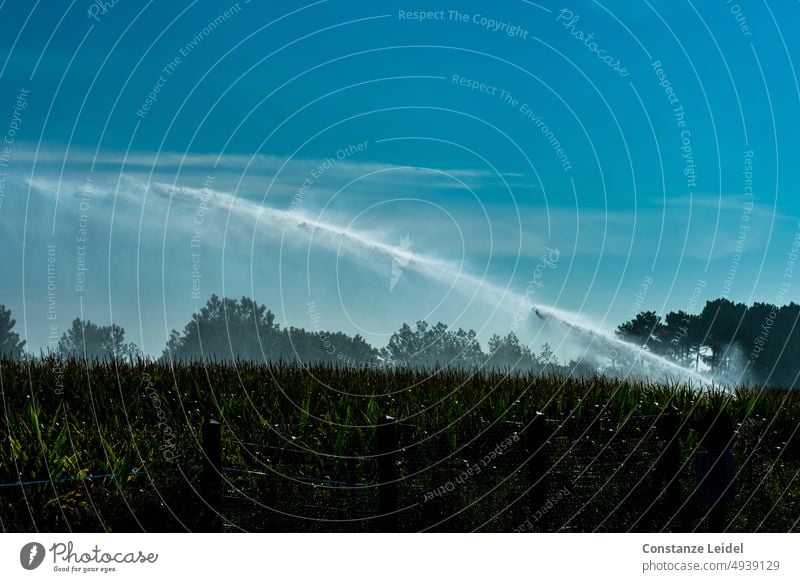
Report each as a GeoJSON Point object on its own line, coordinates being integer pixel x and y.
{"type": "Point", "coordinates": [117, 447]}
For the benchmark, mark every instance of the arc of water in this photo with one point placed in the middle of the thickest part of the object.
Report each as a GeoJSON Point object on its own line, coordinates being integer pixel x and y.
{"type": "Point", "coordinates": [360, 244]}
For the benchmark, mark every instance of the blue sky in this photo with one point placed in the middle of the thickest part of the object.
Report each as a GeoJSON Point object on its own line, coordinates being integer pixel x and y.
{"type": "Point", "coordinates": [388, 168]}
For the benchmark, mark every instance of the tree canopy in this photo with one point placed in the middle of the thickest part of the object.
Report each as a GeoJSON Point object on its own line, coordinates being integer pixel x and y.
{"type": "Point", "coordinates": [433, 346]}
{"type": "Point", "coordinates": [230, 329]}
{"type": "Point", "coordinates": [757, 344]}
{"type": "Point", "coordinates": [226, 329]}
{"type": "Point", "coordinates": [10, 344]}
{"type": "Point", "coordinates": [85, 339]}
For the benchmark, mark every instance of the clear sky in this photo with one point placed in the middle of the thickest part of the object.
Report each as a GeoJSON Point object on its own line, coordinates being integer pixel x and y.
{"type": "Point", "coordinates": [387, 165]}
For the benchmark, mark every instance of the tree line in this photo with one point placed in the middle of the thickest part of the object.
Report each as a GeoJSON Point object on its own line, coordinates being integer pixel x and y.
{"type": "Point", "coordinates": [759, 344]}
{"type": "Point", "coordinates": [227, 330]}
{"type": "Point", "coordinates": [756, 344]}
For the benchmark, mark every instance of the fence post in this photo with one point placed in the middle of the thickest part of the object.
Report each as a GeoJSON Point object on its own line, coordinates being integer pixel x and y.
{"type": "Point", "coordinates": [669, 466]}
{"type": "Point", "coordinates": [536, 441]}
{"type": "Point", "coordinates": [715, 468]}
{"type": "Point", "coordinates": [386, 451]}
{"type": "Point", "coordinates": [664, 497]}
{"type": "Point", "coordinates": [211, 477]}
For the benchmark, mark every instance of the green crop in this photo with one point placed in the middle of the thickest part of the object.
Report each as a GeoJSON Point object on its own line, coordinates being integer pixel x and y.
{"type": "Point", "coordinates": [119, 448]}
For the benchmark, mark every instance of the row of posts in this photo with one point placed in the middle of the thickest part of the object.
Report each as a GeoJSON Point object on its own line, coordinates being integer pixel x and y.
{"type": "Point", "coordinates": [714, 471]}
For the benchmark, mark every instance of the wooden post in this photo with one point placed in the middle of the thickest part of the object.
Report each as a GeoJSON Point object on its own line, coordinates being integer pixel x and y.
{"type": "Point", "coordinates": [664, 496]}
{"type": "Point", "coordinates": [211, 478]}
{"type": "Point", "coordinates": [536, 441]}
{"type": "Point", "coordinates": [715, 469]}
{"type": "Point", "coordinates": [386, 451]}
{"type": "Point", "coordinates": [669, 465]}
